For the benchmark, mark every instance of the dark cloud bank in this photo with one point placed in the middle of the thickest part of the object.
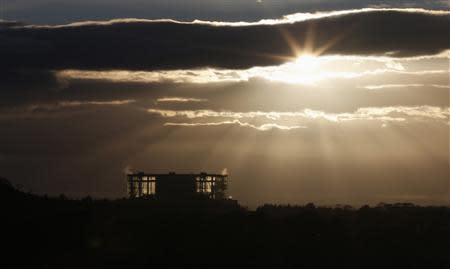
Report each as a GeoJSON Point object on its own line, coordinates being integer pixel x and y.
{"type": "Point", "coordinates": [151, 45]}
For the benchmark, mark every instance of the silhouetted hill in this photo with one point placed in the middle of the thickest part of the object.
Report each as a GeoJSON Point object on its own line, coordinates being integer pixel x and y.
{"type": "Point", "coordinates": [59, 232]}
{"type": "Point", "coordinates": [7, 190]}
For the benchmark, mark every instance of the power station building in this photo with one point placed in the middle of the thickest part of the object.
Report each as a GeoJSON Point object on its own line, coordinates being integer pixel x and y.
{"type": "Point", "coordinates": [176, 186]}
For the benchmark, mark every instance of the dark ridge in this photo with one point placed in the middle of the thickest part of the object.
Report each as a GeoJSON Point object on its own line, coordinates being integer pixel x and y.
{"type": "Point", "coordinates": [58, 232]}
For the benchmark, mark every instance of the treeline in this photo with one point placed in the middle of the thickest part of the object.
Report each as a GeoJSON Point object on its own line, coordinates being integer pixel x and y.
{"type": "Point", "coordinates": [61, 232]}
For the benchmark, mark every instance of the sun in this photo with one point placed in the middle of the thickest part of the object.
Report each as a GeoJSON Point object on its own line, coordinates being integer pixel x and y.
{"type": "Point", "coordinates": [307, 60]}
{"type": "Point", "coordinates": [304, 69]}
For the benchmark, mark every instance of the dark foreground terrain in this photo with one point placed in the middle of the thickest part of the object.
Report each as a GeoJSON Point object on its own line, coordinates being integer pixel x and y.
{"type": "Point", "coordinates": [56, 232]}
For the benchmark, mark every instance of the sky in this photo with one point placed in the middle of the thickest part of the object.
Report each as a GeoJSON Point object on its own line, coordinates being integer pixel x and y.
{"type": "Point", "coordinates": [331, 102]}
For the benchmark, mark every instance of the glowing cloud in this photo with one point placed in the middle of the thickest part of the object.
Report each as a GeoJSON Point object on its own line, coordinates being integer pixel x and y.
{"type": "Point", "coordinates": [179, 99]}
{"type": "Point", "coordinates": [286, 19]}
{"type": "Point", "coordinates": [306, 69]}
{"type": "Point", "coordinates": [388, 86]}
{"type": "Point", "coordinates": [263, 127]}
{"type": "Point", "coordinates": [383, 114]}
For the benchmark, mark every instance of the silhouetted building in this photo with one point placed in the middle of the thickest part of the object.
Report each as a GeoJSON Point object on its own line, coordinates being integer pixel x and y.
{"type": "Point", "coordinates": [176, 186]}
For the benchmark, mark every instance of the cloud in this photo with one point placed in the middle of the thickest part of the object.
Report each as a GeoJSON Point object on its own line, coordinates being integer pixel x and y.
{"type": "Point", "coordinates": [167, 45]}
{"type": "Point", "coordinates": [262, 127]}
{"type": "Point", "coordinates": [319, 69]}
{"type": "Point", "coordinates": [384, 114]}
{"type": "Point", "coordinates": [200, 76]}
{"type": "Point", "coordinates": [67, 104]}
{"type": "Point", "coordinates": [94, 103]}
{"type": "Point", "coordinates": [54, 109]}
{"type": "Point", "coordinates": [291, 18]}
{"type": "Point", "coordinates": [395, 65]}
{"type": "Point", "coordinates": [180, 99]}
{"type": "Point", "coordinates": [389, 86]}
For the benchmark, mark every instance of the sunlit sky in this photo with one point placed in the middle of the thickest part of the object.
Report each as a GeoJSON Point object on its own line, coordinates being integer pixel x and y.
{"type": "Point", "coordinates": [315, 101]}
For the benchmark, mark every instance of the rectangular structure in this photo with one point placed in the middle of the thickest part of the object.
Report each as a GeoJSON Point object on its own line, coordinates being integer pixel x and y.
{"type": "Point", "coordinates": [176, 186]}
